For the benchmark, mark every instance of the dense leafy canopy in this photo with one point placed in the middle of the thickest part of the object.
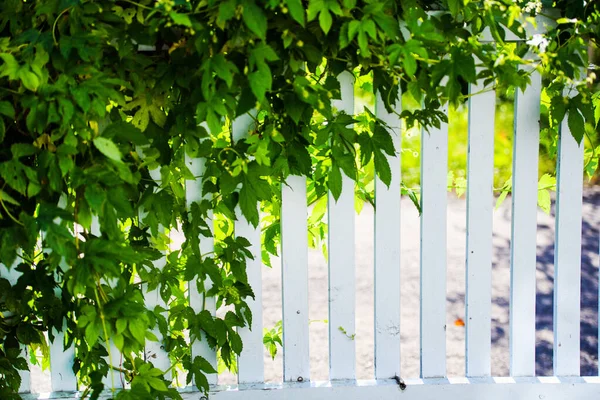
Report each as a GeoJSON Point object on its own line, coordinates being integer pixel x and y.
{"type": "Point", "coordinates": [107, 108]}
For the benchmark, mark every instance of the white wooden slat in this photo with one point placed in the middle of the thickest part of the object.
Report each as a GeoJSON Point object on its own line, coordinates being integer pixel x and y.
{"type": "Point", "coordinates": [480, 197]}
{"type": "Point", "coordinates": [114, 379]}
{"type": "Point", "coordinates": [12, 275]}
{"type": "Point", "coordinates": [155, 351]}
{"type": "Point", "coordinates": [434, 171]}
{"type": "Point", "coordinates": [387, 256]}
{"type": "Point", "coordinates": [567, 254]}
{"type": "Point", "coordinates": [62, 377]}
{"type": "Point", "coordinates": [250, 362]}
{"type": "Point", "coordinates": [524, 229]}
{"type": "Point", "coordinates": [342, 351]}
{"type": "Point", "coordinates": [197, 301]}
{"type": "Point", "coordinates": [294, 258]}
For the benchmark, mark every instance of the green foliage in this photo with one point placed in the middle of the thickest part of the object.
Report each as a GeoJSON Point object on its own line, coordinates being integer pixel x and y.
{"type": "Point", "coordinates": [103, 104]}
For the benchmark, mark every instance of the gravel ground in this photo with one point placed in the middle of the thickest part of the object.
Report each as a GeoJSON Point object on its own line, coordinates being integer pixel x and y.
{"type": "Point", "coordinates": [319, 354]}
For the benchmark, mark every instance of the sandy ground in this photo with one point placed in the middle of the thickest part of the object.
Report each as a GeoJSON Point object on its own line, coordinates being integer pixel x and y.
{"type": "Point", "coordinates": [455, 296]}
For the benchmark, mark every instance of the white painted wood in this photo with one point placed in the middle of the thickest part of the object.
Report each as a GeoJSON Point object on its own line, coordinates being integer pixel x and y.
{"type": "Point", "coordinates": [250, 362]}
{"type": "Point", "coordinates": [114, 379]}
{"type": "Point", "coordinates": [567, 254]}
{"type": "Point", "coordinates": [547, 388]}
{"type": "Point", "coordinates": [480, 195]}
{"type": "Point", "coordinates": [524, 229]}
{"type": "Point", "coordinates": [434, 171]}
{"type": "Point", "coordinates": [342, 351]}
{"type": "Point", "coordinates": [61, 364]}
{"type": "Point", "coordinates": [62, 377]}
{"type": "Point", "coordinates": [197, 301]}
{"type": "Point", "coordinates": [387, 256]}
{"type": "Point", "coordinates": [155, 351]}
{"type": "Point", "coordinates": [12, 275]}
{"type": "Point", "coordinates": [294, 259]}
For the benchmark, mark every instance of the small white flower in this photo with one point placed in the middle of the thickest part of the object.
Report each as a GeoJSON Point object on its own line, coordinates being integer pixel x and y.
{"type": "Point", "coordinates": [540, 41]}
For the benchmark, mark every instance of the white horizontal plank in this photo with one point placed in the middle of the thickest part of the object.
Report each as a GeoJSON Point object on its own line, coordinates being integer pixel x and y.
{"type": "Point", "coordinates": [197, 301]}
{"type": "Point", "coordinates": [480, 182]}
{"type": "Point", "coordinates": [434, 171]}
{"type": "Point", "coordinates": [342, 350]}
{"type": "Point", "coordinates": [546, 388]}
{"type": "Point", "coordinates": [294, 260]}
{"type": "Point", "coordinates": [387, 255]}
{"type": "Point", "coordinates": [567, 254]}
{"type": "Point", "coordinates": [250, 362]}
{"type": "Point", "coordinates": [524, 229]}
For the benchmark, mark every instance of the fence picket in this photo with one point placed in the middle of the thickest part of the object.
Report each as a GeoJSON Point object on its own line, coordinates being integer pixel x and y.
{"type": "Point", "coordinates": [12, 275]}
{"type": "Point", "coordinates": [62, 377]}
{"type": "Point", "coordinates": [524, 229]}
{"type": "Point", "coordinates": [342, 351]}
{"type": "Point", "coordinates": [434, 167]}
{"type": "Point", "coordinates": [387, 256]}
{"type": "Point", "coordinates": [193, 193]}
{"type": "Point", "coordinates": [114, 379]}
{"type": "Point", "coordinates": [155, 351]}
{"type": "Point", "coordinates": [480, 182]}
{"type": "Point", "coordinates": [294, 259]}
{"type": "Point", "coordinates": [567, 254]}
{"type": "Point", "coordinates": [250, 362]}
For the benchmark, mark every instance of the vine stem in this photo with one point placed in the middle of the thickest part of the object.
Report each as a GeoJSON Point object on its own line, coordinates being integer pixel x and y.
{"type": "Point", "coordinates": [56, 22]}
{"type": "Point", "coordinates": [112, 377]}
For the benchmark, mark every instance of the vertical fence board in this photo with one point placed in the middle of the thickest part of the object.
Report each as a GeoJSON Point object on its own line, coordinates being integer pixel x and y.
{"type": "Point", "coordinates": [342, 352]}
{"type": "Point", "coordinates": [387, 256]}
{"type": "Point", "coordinates": [12, 275]}
{"type": "Point", "coordinates": [62, 377]}
{"type": "Point", "coordinates": [480, 196]}
{"type": "Point", "coordinates": [434, 171]}
{"type": "Point", "coordinates": [567, 254]}
{"type": "Point", "coordinates": [294, 259]}
{"type": "Point", "coordinates": [524, 229]}
{"type": "Point", "coordinates": [114, 378]}
{"type": "Point", "coordinates": [61, 364]}
{"type": "Point", "coordinates": [155, 351]}
{"type": "Point", "coordinates": [197, 301]}
{"type": "Point", "coordinates": [250, 362]}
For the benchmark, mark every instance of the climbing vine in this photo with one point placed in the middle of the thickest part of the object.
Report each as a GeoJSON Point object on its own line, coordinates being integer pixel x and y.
{"type": "Point", "coordinates": [105, 105]}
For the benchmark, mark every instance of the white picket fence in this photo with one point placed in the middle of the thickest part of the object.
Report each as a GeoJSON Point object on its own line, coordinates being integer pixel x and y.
{"type": "Point", "coordinates": [433, 383]}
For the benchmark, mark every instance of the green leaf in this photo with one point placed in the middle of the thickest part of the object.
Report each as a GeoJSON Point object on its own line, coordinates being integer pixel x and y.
{"type": "Point", "coordinates": [7, 109]}
{"type": "Point", "coordinates": [576, 123]}
{"type": "Point", "coordinates": [138, 330]}
{"type": "Point", "coordinates": [125, 131]}
{"type": "Point", "coordinates": [10, 67]}
{"type": "Point", "coordinates": [157, 384]}
{"type": "Point", "coordinates": [254, 18]}
{"type": "Point", "coordinates": [334, 181]}
{"type": "Point", "coordinates": [180, 19]}
{"type": "Point", "coordinates": [454, 6]}
{"type": "Point", "coordinates": [297, 11]}
{"type": "Point", "coordinates": [29, 79]}
{"type": "Point", "coordinates": [95, 196]}
{"type": "Point", "coordinates": [325, 21]}
{"type": "Point", "coordinates": [248, 205]}
{"type": "Point", "coordinates": [7, 198]}
{"type": "Point", "coordinates": [382, 168]}
{"type": "Point", "coordinates": [260, 81]}
{"type": "Point", "coordinates": [108, 148]}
